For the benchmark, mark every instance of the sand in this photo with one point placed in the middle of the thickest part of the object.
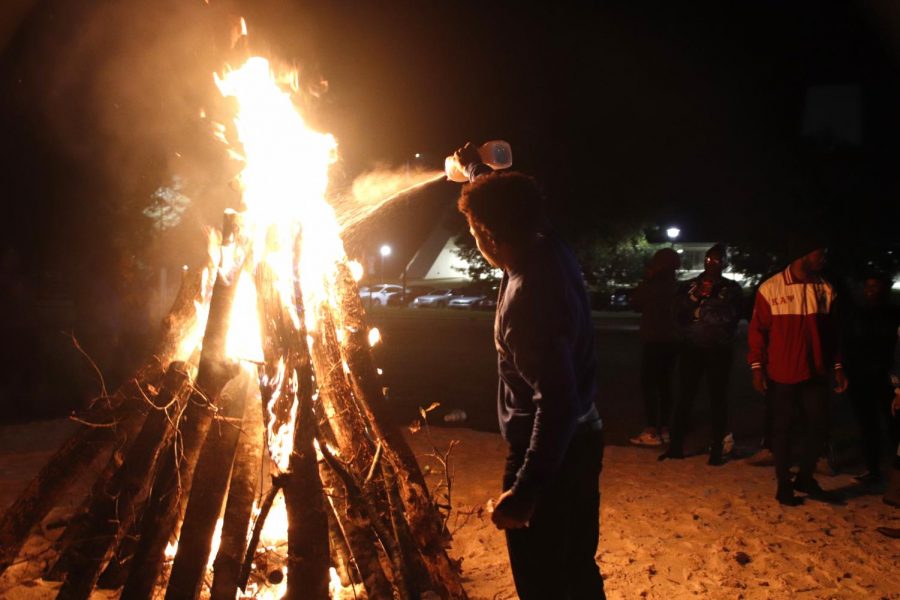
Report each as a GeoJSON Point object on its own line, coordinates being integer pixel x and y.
{"type": "Point", "coordinates": [668, 530]}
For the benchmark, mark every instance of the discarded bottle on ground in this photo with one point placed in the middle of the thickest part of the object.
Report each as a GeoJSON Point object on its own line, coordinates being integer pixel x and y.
{"type": "Point", "coordinates": [496, 154]}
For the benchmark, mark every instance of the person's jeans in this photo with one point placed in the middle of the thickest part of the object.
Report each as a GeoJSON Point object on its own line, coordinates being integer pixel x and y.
{"type": "Point", "coordinates": [715, 364]}
{"type": "Point", "coordinates": [553, 558]}
{"type": "Point", "coordinates": [810, 400]}
{"type": "Point", "coordinates": [657, 364]}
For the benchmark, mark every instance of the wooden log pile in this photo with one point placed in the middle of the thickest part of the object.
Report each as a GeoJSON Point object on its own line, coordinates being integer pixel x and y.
{"type": "Point", "coordinates": [192, 443]}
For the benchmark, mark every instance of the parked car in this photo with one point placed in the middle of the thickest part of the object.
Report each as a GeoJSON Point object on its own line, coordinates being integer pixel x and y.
{"type": "Point", "coordinates": [413, 292]}
{"type": "Point", "coordinates": [387, 292]}
{"type": "Point", "coordinates": [381, 293]}
{"type": "Point", "coordinates": [434, 299]}
{"type": "Point", "coordinates": [489, 302]}
{"type": "Point", "coordinates": [478, 297]}
{"type": "Point", "coordinates": [465, 300]}
{"type": "Point", "coordinates": [620, 299]}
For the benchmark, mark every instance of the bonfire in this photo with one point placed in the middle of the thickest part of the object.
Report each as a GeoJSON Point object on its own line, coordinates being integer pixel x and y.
{"type": "Point", "coordinates": [251, 455]}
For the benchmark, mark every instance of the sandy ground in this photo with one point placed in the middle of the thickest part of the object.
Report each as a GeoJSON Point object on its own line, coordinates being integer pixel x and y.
{"type": "Point", "coordinates": [668, 530]}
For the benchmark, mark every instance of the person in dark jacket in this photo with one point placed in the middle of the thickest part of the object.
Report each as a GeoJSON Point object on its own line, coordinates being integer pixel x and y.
{"type": "Point", "coordinates": [707, 308]}
{"type": "Point", "coordinates": [547, 364]}
{"type": "Point", "coordinates": [870, 342]}
{"type": "Point", "coordinates": [654, 298]}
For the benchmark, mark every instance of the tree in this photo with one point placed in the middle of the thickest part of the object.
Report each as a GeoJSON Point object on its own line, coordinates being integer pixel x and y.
{"type": "Point", "coordinates": [477, 268]}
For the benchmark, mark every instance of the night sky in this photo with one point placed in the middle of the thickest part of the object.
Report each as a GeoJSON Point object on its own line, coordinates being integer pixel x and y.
{"type": "Point", "coordinates": [703, 114]}
{"type": "Point", "coordinates": [646, 110]}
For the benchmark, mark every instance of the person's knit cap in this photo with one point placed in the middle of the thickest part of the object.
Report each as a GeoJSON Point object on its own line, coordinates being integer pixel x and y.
{"type": "Point", "coordinates": [801, 243]}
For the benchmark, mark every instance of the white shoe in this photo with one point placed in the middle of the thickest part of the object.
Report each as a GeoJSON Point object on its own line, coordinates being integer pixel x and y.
{"type": "Point", "coordinates": [727, 444]}
{"type": "Point", "coordinates": [646, 438]}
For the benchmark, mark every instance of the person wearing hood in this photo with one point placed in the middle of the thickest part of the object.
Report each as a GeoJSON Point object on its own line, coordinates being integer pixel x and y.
{"type": "Point", "coordinates": [794, 347]}
{"type": "Point", "coordinates": [654, 298]}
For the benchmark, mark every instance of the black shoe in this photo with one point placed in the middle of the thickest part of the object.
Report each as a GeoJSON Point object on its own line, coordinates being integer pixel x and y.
{"type": "Point", "coordinates": [715, 456]}
{"type": "Point", "coordinates": [671, 453]}
{"type": "Point", "coordinates": [869, 478]}
{"type": "Point", "coordinates": [785, 496]}
{"type": "Point", "coordinates": [809, 486]}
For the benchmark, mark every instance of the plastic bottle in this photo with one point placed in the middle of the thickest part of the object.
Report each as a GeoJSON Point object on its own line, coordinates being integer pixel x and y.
{"type": "Point", "coordinates": [496, 154]}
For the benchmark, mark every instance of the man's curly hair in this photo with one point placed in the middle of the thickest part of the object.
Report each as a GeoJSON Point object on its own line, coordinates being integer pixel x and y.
{"type": "Point", "coordinates": [508, 204]}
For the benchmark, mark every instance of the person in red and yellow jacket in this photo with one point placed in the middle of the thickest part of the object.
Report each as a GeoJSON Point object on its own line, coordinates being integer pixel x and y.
{"type": "Point", "coordinates": [794, 347]}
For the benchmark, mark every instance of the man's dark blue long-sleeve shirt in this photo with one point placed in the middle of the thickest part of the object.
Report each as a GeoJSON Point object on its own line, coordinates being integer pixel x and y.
{"type": "Point", "coordinates": [546, 360]}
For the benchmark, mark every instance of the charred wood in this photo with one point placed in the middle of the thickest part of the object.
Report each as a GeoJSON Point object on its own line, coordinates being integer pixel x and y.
{"type": "Point", "coordinates": [113, 509]}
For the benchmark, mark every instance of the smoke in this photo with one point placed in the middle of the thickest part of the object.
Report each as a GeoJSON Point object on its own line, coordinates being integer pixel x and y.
{"type": "Point", "coordinates": [376, 190]}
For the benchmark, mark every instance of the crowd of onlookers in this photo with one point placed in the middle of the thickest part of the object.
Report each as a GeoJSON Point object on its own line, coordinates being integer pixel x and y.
{"type": "Point", "coordinates": [804, 341]}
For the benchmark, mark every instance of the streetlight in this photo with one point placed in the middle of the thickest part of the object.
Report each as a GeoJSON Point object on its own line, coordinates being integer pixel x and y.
{"type": "Point", "coordinates": [385, 251]}
{"type": "Point", "coordinates": [673, 233]}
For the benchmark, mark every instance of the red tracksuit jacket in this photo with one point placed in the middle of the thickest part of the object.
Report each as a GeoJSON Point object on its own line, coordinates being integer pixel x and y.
{"type": "Point", "coordinates": [793, 333]}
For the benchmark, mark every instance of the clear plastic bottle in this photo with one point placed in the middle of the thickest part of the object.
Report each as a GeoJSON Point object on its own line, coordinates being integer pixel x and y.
{"type": "Point", "coordinates": [496, 154]}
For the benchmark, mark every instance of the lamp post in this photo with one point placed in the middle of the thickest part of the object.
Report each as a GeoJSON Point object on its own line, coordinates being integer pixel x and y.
{"type": "Point", "coordinates": [672, 232]}
{"type": "Point", "coordinates": [385, 251]}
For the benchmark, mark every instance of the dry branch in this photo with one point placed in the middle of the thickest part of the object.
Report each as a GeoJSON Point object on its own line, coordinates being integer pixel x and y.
{"type": "Point", "coordinates": [121, 411]}
{"type": "Point", "coordinates": [113, 509]}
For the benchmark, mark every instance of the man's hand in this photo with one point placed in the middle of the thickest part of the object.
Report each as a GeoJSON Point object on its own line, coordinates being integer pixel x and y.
{"type": "Point", "coordinates": [510, 512]}
{"type": "Point", "coordinates": [467, 155]}
{"type": "Point", "coordinates": [840, 381]}
{"type": "Point", "coordinates": [760, 383]}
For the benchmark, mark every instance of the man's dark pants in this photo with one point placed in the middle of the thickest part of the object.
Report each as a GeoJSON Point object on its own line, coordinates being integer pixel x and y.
{"type": "Point", "coordinates": [871, 394]}
{"type": "Point", "coordinates": [810, 399]}
{"type": "Point", "coordinates": [553, 558]}
{"type": "Point", "coordinates": [657, 364]}
{"type": "Point", "coordinates": [695, 362]}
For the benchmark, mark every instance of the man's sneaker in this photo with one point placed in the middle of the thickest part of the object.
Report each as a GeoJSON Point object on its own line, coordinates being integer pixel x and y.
{"type": "Point", "coordinates": [646, 438]}
{"type": "Point", "coordinates": [763, 458]}
{"type": "Point", "coordinates": [809, 486]}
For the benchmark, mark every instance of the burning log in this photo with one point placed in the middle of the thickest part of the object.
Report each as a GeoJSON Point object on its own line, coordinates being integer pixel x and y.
{"type": "Point", "coordinates": [174, 479]}
{"type": "Point", "coordinates": [113, 577]}
{"type": "Point", "coordinates": [113, 423]}
{"type": "Point", "coordinates": [340, 552]}
{"type": "Point", "coordinates": [113, 510]}
{"type": "Point", "coordinates": [308, 543]}
{"type": "Point", "coordinates": [239, 506]}
{"type": "Point", "coordinates": [359, 535]}
{"type": "Point", "coordinates": [420, 512]}
{"type": "Point", "coordinates": [264, 509]}
{"type": "Point", "coordinates": [358, 498]}
{"type": "Point", "coordinates": [207, 495]}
